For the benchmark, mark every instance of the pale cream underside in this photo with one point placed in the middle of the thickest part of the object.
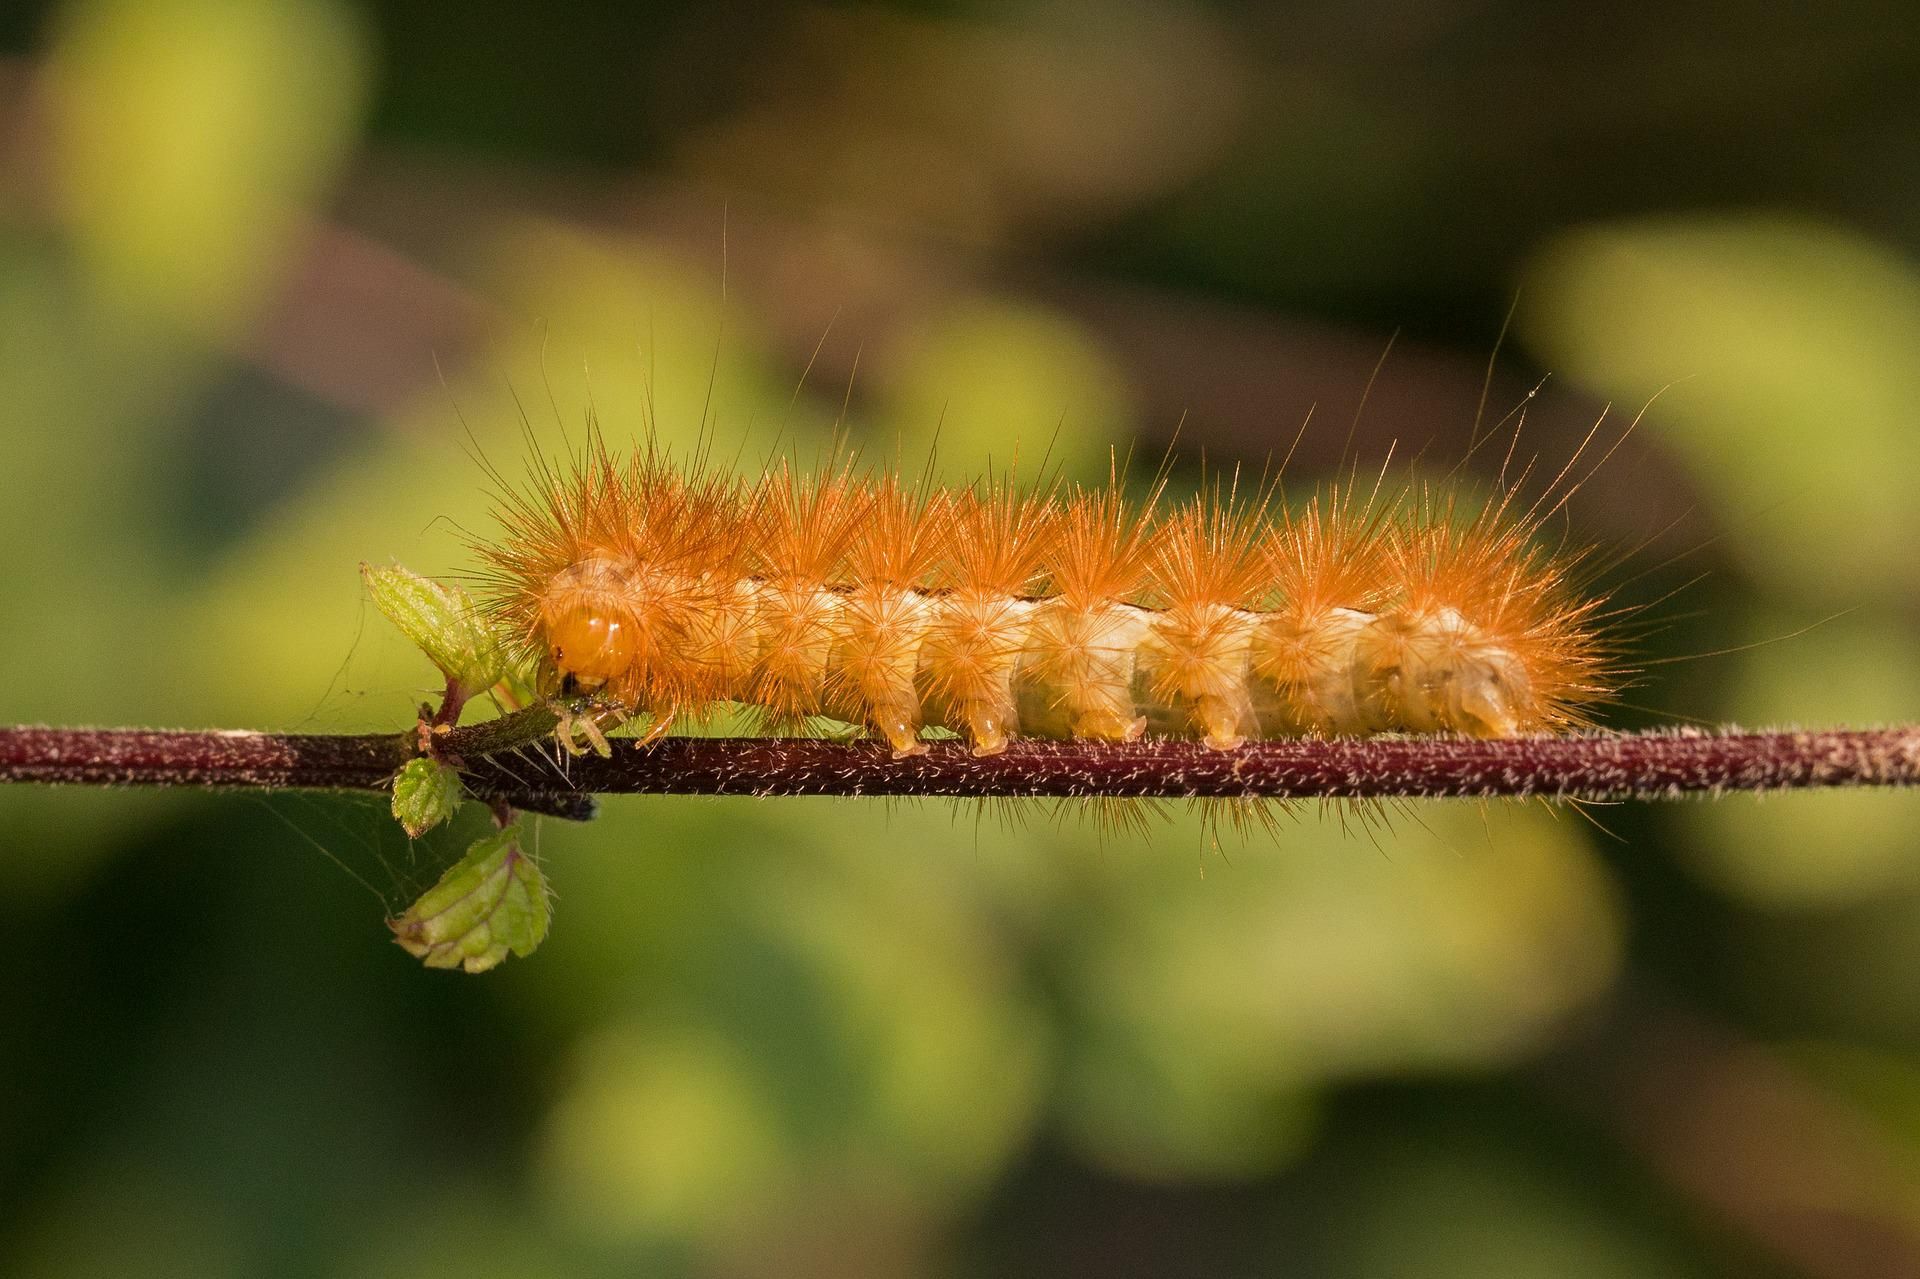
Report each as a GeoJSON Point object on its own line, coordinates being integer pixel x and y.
{"type": "Point", "coordinates": [1044, 669]}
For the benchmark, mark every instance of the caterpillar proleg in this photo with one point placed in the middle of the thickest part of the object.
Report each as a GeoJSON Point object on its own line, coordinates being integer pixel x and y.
{"type": "Point", "coordinates": [664, 592]}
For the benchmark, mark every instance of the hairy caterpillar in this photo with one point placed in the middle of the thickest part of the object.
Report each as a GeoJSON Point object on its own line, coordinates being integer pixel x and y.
{"type": "Point", "coordinates": [994, 612]}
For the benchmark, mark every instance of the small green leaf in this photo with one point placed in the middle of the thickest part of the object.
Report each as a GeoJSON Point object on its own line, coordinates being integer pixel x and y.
{"type": "Point", "coordinates": [443, 621]}
{"type": "Point", "coordinates": [493, 901]}
{"type": "Point", "coordinates": [425, 794]}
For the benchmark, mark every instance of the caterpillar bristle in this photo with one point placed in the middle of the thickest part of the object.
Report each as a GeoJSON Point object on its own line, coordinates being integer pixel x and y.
{"type": "Point", "coordinates": [884, 613]}
{"type": "Point", "coordinates": [977, 630]}
{"type": "Point", "coordinates": [1328, 570]}
{"type": "Point", "coordinates": [1484, 600]}
{"type": "Point", "coordinates": [1076, 674]}
{"type": "Point", "coordinates": [1205, 574]}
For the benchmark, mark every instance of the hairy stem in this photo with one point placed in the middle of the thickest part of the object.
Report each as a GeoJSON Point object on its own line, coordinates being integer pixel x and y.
{"type": "Point", "coordinates": [291, 761]}
{"type": "Point", "coordinates": [509, 761]}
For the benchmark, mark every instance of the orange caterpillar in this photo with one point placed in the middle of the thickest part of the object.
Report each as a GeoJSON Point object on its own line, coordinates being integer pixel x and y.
{"type": "Point", "coordinates": [997, 613]}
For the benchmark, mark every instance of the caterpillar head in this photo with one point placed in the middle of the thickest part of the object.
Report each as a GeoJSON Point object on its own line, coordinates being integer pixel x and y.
{"type": "Point", "coordinates": [587, 625]}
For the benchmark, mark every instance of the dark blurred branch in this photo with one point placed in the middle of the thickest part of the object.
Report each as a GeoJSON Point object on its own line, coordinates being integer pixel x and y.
{"type": "Point", "coordinates": [507, 761]}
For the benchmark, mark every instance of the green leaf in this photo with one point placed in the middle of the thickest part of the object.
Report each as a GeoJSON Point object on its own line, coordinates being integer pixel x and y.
{"type": "Point", "coordinates": [492, 902]}
{"type": "Point", "coordinates": [443, 622]}
{"type": "Point", "coordinates": [425, 794]}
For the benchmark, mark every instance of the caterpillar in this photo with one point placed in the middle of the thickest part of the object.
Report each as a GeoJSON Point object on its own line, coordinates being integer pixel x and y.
{"type": "Point", "coordinates": [662, 591]}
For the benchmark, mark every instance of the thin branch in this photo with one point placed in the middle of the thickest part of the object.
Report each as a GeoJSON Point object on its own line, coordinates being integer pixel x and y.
{"type": "Point", "coordinates": [240, 760]}
{"type": "Point", "coordinates": [498, 769]}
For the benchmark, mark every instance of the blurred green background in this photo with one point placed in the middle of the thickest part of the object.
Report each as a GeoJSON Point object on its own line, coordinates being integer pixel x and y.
{"type": "Point", "coordinates": [264, 264]}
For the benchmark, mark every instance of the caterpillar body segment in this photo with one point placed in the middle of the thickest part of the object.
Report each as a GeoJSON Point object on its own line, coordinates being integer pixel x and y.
{"type": "Point", "coordinates": [998, 614]}
{"type": "Point", "coordinates": [968, 659]}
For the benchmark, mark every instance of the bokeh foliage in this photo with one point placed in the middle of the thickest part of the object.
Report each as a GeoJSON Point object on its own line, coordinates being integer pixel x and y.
{"type": "Point", "coordinates": [841, 1038]}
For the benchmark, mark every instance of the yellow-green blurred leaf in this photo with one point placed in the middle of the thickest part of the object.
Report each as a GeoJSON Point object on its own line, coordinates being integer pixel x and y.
{"type": "Point", "coordinates": [1782, 354]}
{"type": "Point", "coordinates": [990, 381]}
{"type": "Point", "coordinates": [666, 1131]}
{"type": "Point", "coordinates": [190, 134]}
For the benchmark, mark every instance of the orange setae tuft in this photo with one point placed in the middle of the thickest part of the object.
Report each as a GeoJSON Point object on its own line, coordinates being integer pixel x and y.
{"type": "Point", "coordinates": [1493, 641]}
{"type": "Point", "coordinates": [1326, 567]}
{"type": "Point", "coordinates": [1205, 573]}
{"type": "Point", "coordinates": [979, 622]}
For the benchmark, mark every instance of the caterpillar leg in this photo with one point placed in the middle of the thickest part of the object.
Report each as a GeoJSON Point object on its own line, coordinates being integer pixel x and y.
{"type": "Point", "coordinates": [579, 731]}
{"type": "Point", "coordinates": [1220, 720]}
{"type": "Point", "coordinates": [660, 723]}
{"type": "Point", "coordinates": [987, 725]}
{"type": "Point", "coordinates": [900, 725]}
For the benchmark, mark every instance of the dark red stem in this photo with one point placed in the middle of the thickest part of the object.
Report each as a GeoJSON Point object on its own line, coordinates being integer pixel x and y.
{"type": "Point", "coordinates": [1631, 766]}
{"type": "Point", "coordinates": [254, 761]}
{"type": "Point", "coordinates": [508, 761]}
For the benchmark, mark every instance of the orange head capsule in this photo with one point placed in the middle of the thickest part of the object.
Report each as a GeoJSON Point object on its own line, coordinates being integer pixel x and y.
{"type": "Point", "coordinates": [591, 647]}
{"type": "Point", "coordinates": [591, 636]}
